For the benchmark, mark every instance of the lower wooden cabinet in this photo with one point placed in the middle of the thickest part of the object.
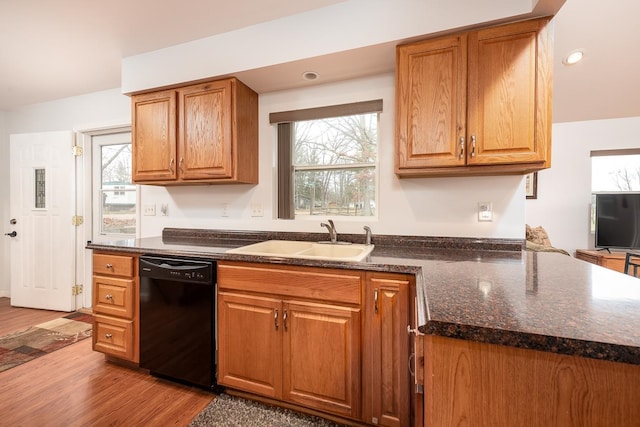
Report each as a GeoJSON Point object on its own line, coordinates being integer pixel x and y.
{"type": "Point", "coordinates": [386, 358]}
{"type": "Point", "coordinates": [115, 305]}
{"type": "Point", "coordinates": [330, 340]}
{"type": "Point", "coordinates": [302, 350]}
{"type": "Point", "coordinates": [479, 384]}
{"type": "Point", "coordinates": [610, 260]}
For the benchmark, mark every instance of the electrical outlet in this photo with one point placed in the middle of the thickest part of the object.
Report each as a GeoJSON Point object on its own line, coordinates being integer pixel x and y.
{"type": "Point", "coordinates": [256, 210]}
{"type": "Point", "coordinates": [485, 211]}
{"type": "Point", "coordinates": [149, 210]}
{"type": "Point", "coordinates": [225, 210]}
{"type": "Point", "coordinates": [164, 209]}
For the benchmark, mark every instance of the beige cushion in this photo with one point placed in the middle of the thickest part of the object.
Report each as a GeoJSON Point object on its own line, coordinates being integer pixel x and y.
{"type": "Point", "coordinates": [537, 235]}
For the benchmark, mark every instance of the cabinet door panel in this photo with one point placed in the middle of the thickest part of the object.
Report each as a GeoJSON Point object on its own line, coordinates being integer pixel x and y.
{"type": "Point", "coordinates": [321, 353]}
{"type": "Point", "coordinates": [250, 343]}
{"type": "Point", "coordinates": [154, 136]}
{"type": "Point", "coordinates": [431, 103]}
{"type": "Point", "coordinates": [205, 131]}
{"type": "Point", "coordinates": [389, 382]}
{"type": "Point", "coordinates": [503, 81]}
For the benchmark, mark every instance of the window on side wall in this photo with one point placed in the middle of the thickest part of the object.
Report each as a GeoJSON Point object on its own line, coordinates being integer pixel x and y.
{"type": "Point", "coordinates": [613, 171]}
{"type": "Point", "coordinates": [327, 160]}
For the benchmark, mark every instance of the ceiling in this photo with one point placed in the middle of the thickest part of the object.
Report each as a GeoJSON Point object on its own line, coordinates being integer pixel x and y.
{"type": "Point", "coordinates": [56, 49]}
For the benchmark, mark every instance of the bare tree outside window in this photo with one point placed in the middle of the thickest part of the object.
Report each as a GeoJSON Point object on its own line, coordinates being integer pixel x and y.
{"type": "Point", "coordinates": [334, 164]}
{"type": "Point", "coordinates": [615, 173]}
{"type": "Point", "coordinates": [117, 191]}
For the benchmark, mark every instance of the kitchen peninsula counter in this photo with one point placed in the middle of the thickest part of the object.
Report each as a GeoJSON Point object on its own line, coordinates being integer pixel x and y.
{"type": "Point", "coordinates": [488, 291]}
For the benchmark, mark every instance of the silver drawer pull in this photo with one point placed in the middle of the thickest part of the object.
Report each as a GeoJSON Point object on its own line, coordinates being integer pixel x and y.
{"type": "Point", "coordinates": [108, 336]}
{"type": "Point", "coordinates": [108, 266]}
{"type": "Point", "coordinates": [108, 296]}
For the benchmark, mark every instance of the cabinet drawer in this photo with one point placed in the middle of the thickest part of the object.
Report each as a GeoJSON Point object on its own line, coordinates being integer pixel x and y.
{"type": "Point", "coordinates": [114, 265]}
{"type": "Point", "coordinates": [300, 282]}
{"type": "Point", "coordinates": [113, 296]}
{"type": "Point", "coordinates": [113, 336]}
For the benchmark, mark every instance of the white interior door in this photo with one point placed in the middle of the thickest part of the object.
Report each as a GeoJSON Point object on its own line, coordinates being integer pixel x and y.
{"type": "Point", "coordinates": [42, 175]}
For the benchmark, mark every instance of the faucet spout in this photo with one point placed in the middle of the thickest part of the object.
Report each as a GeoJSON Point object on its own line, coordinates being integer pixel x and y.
{"type": "Point", "coordinates": [331, 228]}
{"type": "Point", "coordinates": [367, 235]}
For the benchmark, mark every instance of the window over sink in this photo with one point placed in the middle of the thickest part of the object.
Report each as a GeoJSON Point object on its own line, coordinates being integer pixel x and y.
{"type": "Point", "coordinates": [327, 160]}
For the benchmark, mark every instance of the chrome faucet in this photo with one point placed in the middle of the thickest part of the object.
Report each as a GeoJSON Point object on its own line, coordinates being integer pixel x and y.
{"type": "Point", "coordinates": [367, 235]}
{"type": "Point", "coordinates": [331, 228]}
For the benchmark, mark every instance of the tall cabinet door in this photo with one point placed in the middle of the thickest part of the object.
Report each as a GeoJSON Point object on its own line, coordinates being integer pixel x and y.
{"type": "Point", "coordinates": [431, 103]}
{"type": "Point", "coordinates": [250, 343]}
{"type": "Point", "coordinates": [388, 382]}
{"type": "Point", "coordinates": [205, 140]}
{"type": "Point", "coordinates": [154, 136]}
{"type": "Point", "coordinates": [321, 364]}
{"type": "Point", "coordinates": [509, 91]}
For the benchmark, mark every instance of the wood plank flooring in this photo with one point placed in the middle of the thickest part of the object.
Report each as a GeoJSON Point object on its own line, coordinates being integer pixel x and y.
{"type": "Point", "coordinates": [76, 386]}
{"type": "Point", "coordinates": [13, 319]}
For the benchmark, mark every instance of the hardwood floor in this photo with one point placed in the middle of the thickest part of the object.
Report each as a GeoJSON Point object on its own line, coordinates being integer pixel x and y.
{"type": "Point", "coordinates": [76, 386]}
{"type": "Point", "coordinates": [13, 319]}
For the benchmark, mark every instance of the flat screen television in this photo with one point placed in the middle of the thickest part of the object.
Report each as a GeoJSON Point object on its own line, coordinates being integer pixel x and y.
{"type": "Point", "coordinates": [618, 220]}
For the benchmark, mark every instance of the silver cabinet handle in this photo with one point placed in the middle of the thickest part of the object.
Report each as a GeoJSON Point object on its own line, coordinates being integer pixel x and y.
{"type": "Point", "coordinates": [181, 164]}
{"type": "Point", "coordinates": [413, 331]}
{"type": "Point", "coordinates": [108, 336]}
{"type": "Point", "coordinates": [275, 318]}
{"type": "Point", "coordinates": [284, 319]}
{"type": "Point", "coordinates": [461, 155]}
{"type": "Point", "coordinates": [375, 301]}
{"type": "Point", "coordinates": [171, 165]}
{"type": "Point", "coordinates": [473, 145]}
{"type": "Point", "coordinates": [108, 296]}
{"type": "Point", "coordinates": [107, 266]}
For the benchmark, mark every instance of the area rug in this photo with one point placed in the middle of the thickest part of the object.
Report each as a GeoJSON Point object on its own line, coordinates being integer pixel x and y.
{"type": "Point", "coordinates": [20, 347]}
{"type": "Point", "coordinates": [231, 411]}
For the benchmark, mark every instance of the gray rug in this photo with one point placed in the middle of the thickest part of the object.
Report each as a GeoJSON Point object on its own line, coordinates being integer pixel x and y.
{"type": "Point", "coordinates": [230, 411]}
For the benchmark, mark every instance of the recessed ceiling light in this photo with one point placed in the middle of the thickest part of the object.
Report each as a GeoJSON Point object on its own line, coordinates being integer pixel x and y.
{"type": "Point", "coordinates": [573, 57]}
{"type": "Point", "coordinates": [310, 75]}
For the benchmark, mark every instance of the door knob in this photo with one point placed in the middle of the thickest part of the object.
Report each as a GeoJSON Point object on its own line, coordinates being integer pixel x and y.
{"type": "Point", "coordinates": [12, 234]}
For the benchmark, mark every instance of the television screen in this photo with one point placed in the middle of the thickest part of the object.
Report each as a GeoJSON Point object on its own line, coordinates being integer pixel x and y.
{"type": "Point", "coordinates": [618, 220]}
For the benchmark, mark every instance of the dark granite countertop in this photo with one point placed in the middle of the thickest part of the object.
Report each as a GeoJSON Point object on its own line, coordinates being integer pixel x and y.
{"type": "Point", "coordinates": [482, 290]}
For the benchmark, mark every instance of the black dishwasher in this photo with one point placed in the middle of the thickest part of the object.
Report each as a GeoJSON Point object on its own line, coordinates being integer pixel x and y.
{"type": "Point", "coordinates": [177, 319]}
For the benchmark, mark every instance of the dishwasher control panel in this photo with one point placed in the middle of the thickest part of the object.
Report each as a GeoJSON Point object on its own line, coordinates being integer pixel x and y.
{"type": "Point", "coordinates": [179, 269]}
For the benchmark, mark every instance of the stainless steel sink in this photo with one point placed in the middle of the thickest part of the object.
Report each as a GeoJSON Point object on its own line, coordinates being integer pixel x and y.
{"type": "Point", "coordinates": [306, 250]}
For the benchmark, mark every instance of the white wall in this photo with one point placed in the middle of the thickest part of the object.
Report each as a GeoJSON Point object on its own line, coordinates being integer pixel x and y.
{"type": "Point", "coordinates": [88, 111]}
{"type": "Point", "coordinates": [564, 190]}
{"type": "Point", "coordinates": [312, 34]}
{"type": "Point", "coordinates": [424, 206]}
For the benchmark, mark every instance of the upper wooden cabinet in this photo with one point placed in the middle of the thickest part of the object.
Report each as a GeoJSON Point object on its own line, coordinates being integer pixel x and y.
{"type": "Point", "coordinates": [204, 133]}
{"type": "Point", "coordinates": [475, 103]}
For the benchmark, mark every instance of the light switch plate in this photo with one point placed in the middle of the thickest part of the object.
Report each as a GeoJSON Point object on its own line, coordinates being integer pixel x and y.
{"type": "Point", "coordinates": [256, 210]}
{"type": "Point", "coordinates": [149, 210]}
{"type": "Point", "coordinates": [485, 211]}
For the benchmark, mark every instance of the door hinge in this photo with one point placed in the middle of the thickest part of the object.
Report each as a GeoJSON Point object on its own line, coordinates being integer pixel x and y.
{"type": "Point", "coordinates": [77, 220]}
{"type": "Point", "coordinates": [76, 150]}
{"type": "Point", "coordinates": [76, 290]}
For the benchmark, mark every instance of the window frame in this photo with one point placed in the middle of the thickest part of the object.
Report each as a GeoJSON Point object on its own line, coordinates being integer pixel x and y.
{"type": "Point", "coordinates": [286, 142]}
